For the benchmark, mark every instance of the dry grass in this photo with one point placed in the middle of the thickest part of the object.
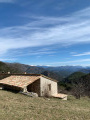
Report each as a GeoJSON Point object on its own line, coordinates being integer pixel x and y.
{"type": "Point", "coordinates": [19, 107]}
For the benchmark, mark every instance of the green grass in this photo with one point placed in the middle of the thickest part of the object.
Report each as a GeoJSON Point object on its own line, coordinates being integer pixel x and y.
{"type": "Point", "coordinates": [19, 107]}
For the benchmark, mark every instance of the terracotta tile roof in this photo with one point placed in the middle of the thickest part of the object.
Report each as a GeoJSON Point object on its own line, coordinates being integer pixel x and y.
{"type": "Point", "coordinates": [19, 80]}
{"type": "Point", "coordinates": [5, 74]}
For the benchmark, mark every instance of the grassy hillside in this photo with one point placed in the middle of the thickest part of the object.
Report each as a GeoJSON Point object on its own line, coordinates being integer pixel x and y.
{"type": "Point", "coordinates": [19, 107]}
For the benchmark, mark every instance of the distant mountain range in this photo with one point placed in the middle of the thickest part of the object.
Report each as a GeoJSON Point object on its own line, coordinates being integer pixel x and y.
{"type": "Point", "coordinates": [67, 70]}
{"type": "Point", "coordinates": [58, 73]}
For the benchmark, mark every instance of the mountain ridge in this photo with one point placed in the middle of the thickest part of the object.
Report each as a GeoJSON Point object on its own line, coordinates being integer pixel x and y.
{"type": "Point", "coordinates": [58, 72]}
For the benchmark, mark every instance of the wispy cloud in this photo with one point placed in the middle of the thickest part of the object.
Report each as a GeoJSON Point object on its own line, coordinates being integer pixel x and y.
{"type": "Point", "coordinates": [30, 52]}
{"type": "Point", "coordinates": [10, 59]}
{"type": "Point", "coordinates": [43, 31]}
{"type": "Point", "coordinates": [82, 54]}
{"type": "Point", "coordinates": [75, 62]}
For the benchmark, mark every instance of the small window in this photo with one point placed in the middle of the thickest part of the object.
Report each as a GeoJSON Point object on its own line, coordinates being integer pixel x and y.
{"type": "Point", "coordinates": [49, 87]}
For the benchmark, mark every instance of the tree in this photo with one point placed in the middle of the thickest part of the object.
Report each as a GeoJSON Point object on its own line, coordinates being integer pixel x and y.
{"type": "Point", "coordinates": [78, 90]}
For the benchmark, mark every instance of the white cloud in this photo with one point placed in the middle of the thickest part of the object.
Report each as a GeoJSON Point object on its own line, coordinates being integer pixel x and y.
{"type": "Point", "coordinates": [82, 54]}
{"type": "Point", "coordinates": [44, 31]}
{"type": "Point", "coordinates": [12, 59]}
{"type": "Point", "coordinates": [81, 62]}
{"type": "Point", "coordinates": [30, 52]}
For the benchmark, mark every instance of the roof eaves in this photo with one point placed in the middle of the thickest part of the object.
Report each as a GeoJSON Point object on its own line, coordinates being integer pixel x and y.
{"type": "Point", "coordinates": [48, 78]}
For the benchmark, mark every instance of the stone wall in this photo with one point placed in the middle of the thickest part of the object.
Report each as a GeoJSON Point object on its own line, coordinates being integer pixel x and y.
{"type": "Point", "coordinates": [48, 87]}
{"type": "Point", "coordinates": [34, 87]}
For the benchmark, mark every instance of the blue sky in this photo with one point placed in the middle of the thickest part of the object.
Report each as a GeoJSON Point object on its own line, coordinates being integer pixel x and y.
{"type": "Point", "coordinates": [45, 32]}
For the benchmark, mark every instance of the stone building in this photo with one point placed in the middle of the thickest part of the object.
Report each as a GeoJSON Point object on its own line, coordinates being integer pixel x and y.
{"type": "Point", "coordinates": [36, 83]}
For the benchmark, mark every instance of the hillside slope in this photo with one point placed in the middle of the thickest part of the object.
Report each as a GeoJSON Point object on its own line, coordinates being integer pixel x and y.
{"type": "Point", "coordinates": [57, 73]}
{"type": "Point", "coordinates": [19, 107]}
{"type": "Point", "coordinates": [21, 68]}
